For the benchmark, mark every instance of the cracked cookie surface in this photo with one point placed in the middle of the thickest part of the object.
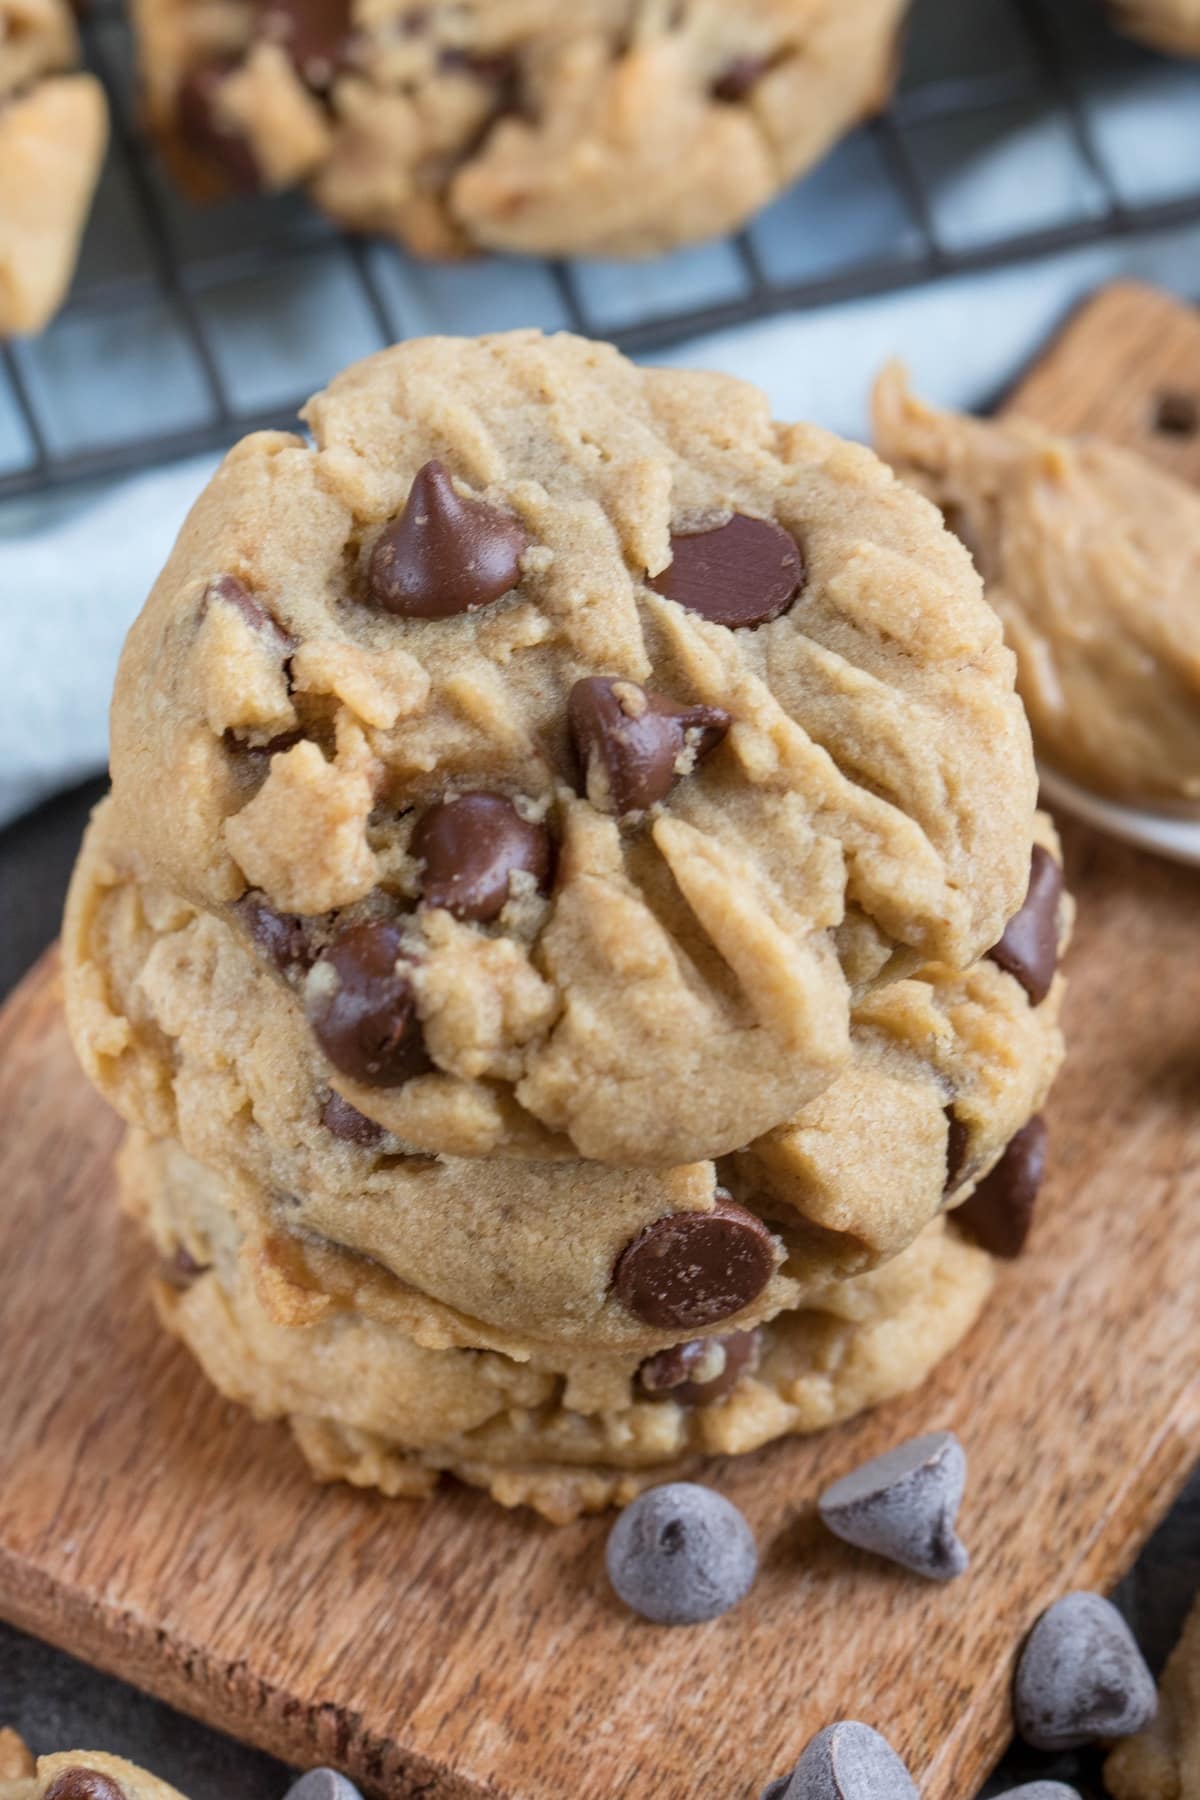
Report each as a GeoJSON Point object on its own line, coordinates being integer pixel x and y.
{"type": "Point", "coordinates": [800, 771]}
{"type": "Point", "coordinates": [383, 1391]}
{"type": "Point", "coordinates": [606, 127]}
{"type": "Point", "coordinates": [1091, 557]}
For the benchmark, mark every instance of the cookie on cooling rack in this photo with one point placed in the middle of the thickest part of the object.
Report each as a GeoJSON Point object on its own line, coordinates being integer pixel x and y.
{"type": "Point", "coordinates": [53, 134]}
{"type": "Point", "coordinates": [524, 125]}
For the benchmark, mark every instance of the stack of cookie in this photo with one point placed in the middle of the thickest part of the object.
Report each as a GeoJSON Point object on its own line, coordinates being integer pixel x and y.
{"type": "Point", "coordinates": [53, 132]}
{"type": "Point", "coordinates": [569, 920]}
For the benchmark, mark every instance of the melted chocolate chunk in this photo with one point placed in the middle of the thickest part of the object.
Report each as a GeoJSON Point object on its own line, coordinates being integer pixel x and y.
{"type": "Point", "coordinates": [282, 938]}
{"type": "Point", "coordinates": [444, 555]}
{"type": "Point", "coordinates": [958, 1142]}
{"type": "Point", "coordinates": [740, 574]}
{"type": "Point", "coordinates": [999, 1214]}
{"type": "Point", "coordinates": [344, 1121]}
{"type": "Point", "coordinates": [362, 1010]}
{"type": "Point", "coordinates": [470, 845]}
{"type": "Point", "coordinates": [633, 744]}
{"type": "Point", "coordinates": [740, 77]}
{"type": "Point", "coordinates": [84, 1784]}
{"type": "Point", "coordinates": [315, 34]}
{"type": "Point", "coordinates": [689, 1270]}
{"type": "Point", "coordinates": [1177, 413]}
{"type": "Point", "coordinates": [206, 134]}
{"type": "Point", "coordinates": [682, 1373]}
{"type": "Point", "coordinates": [1029, 948]}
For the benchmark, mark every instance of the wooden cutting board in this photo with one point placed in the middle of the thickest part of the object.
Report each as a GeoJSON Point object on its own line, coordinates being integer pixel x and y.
{"type": "Point", "coordinates": [449, 1649]}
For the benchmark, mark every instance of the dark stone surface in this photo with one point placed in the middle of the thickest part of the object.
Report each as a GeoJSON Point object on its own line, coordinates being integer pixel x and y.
{"type": "Point", "coordinates": [58, 1704]}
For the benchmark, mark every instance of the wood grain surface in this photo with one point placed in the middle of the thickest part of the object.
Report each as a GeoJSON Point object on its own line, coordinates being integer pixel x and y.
{"type": "Point", "coordinates": [451, 1650]}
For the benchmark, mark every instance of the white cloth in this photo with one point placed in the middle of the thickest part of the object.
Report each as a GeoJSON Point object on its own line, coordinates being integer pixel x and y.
{"type": "Point", "coordinates": [73, 575]}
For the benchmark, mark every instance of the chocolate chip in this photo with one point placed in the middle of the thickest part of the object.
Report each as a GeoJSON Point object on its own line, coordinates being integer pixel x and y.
{"type": "Point", "coordinates": [180, 1269]}
{"type": "Point", "coordinates": [1040, 1790]}
{"type": "Point", "coordinates": [84, 1784]}
{"type": "Point", "coordinates": [704, 1370]}
{"type": "Point", "coordinates": [903, 1505]}
{"type": "Point", "coordinates": [691, 1269]}
{"type": "Point", "coordinates": [1177, 413]}
{"type": "Point", "coordinates": [1029, 948]}
{"type": "Point", "coordinates": [315, 34]}
{"type": "Point", "coordinates": [1081, 1677]}
{"type": "Point", "coordinates": [849, 1761]}
{"type": "Point", "coordinates": [471, 844]}
{"type": "Point", "coordinates": [344, 1121]}
{"type": "Point", "coordinates": [206, 134]}
{"type": "Point", "coordinates": [958, 1142]}
{"type": "Point", "coordinates": [282, 938]}
{"type": "Point", "coordinates": [739, 77]}
{"type": "Point", "coordinates": [680, 1554]}
{"type": "Point", "coordinates": [632, 744]}
{"type": "Point", "coordinates": [444, 555]}
{"type": "Point", "coordinates": [739, 574]}
{"type": "Point", "coordinates": [999, 1213]}
{"type": "Point", "coordinates": [322, 1784]}
{"type": "Point", "coordinates": [497, 70]}
{"type": "Point", "coordinates": [229, 589]}
{"type": "Point", "coordinates": [361, 1007]}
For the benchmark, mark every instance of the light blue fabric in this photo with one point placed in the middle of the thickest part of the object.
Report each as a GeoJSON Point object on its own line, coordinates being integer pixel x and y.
{"type": "Point", "coordinates": [73, 573]}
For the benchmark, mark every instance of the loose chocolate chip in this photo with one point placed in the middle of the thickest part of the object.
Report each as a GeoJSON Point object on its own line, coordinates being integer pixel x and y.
{"type": "Point", "coordinates": [361, 1008]}
{"type": "Point", "coordinates": [315, 34]}
{"type": "Point", "coordinates": [1081, 1677]}
{"type": "Point", "coordinates": [704, 1370]}
{"type": "Point", "coordinates": [282, 938]}
{"type": "Point", "coordinates": [1040, 1790]}
{"type": "Point", "coordinates": [444, 555]}
{"type": "Point", "coordinates": [471, 844]}
{"type": "Point", "coordinates": [740, 77]}
{"type": "Point", "coordinates": [903, 1505]}
{"type": "Point", "coordinates": [632, 744]}
{"type": "Point", "coordinates": [680, 1554]}
{"type": "Point", "coordinates": [740, 574]}
{"type": "Point", "coordinates": [691, 1269]}
{"type": "Point", "coordinates": [958, 1142]}
{"type": "Point", "coordinates": [322, 1784]}
{"type": "Point", "coordinates": [206, 134]}
{"type": "Point", "coordinates": [849, 1761]}
{"type": "Point", "coordinates": [344, 1121]}
{"type": "Point", "coordinates": [1029, 948]}
{"type": "Point", "coordinates": [84, 1784]}
{"type": "Point", "coordinates": [999, 1213]}
{"type": "Point", "coordinates": [1177, 413]}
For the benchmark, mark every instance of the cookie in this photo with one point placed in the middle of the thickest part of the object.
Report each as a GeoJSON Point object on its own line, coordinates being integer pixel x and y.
{"type": "Point", "coordinates": [53, 135]}
{"type": "Point", "coordinates": [384, 1388]}
{"type": "Point", "coordinates": [1163, 1761]}
{"type": "Point", "coordinates": [188, 1033]}
{"type": "Point", "coordinates": [744, 722]}
{"type": "Point", "coordinates": [74, 1775]}
{"type": "Point", "coordinates": [1172, 25]}
{"type": "Point", "coordinates": [1088, 553]}
{"type": "Point", "coordinates": [601, 128]}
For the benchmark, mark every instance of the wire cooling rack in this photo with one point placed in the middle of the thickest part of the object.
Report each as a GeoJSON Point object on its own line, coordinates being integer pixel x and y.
{"type": "Point", "coordinates": [188, 327]}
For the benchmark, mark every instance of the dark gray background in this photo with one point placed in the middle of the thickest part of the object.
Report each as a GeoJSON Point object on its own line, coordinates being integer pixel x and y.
{"type": "Point", "coordinates": [58, 1704]}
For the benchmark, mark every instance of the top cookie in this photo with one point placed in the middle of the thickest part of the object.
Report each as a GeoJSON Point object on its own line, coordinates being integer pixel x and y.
{"type": "Point", "coordinates": [575, 741]}
{"type": "Point", "coordinates": [602, 127]}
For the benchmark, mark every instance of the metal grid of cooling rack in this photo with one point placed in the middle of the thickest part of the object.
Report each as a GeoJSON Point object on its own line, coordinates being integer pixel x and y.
{"type": "Point", "coordinates": [187, 328]}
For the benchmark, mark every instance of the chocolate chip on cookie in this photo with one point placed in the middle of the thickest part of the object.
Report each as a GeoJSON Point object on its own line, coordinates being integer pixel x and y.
{"type": "Point", "coordinates": [344, 1121]}
{"type": "Point", "coordinates": [739, 78]}
{"type": "Point", "coordinates": [207, 134]}
{"type": "Point", "coordinates": [680, 1554]}
{"type": "Point", "coordinates": [999, 1213]}
{"type": "Point", "coordinates": [697, 1373]}
{"type": "Point", "coordinates": [739, 574]}
{"type": "Point", "coordinates": [633, 745]}
{"type": "Point", "coordinates": [444, 554]}
{"type": "Point", "coordinates": [84, 1784]}
{"type": "Point", "coordinates": [315, 34]}
{"type": "Point", "coordinates": [691, 1269]}
{"type": "Point", "coordinates": [361, 1007]}
{"type": "Point", "coordinates": [1029, 948]}
{"type": "Point", "coordinates": [282, 938]}
{"type": "Point", "coordinates": [232, 592]}
{"type": "Point", "coordinates": [471, 845]}
{"type": "Point", "coordinates": [958, 1142]}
